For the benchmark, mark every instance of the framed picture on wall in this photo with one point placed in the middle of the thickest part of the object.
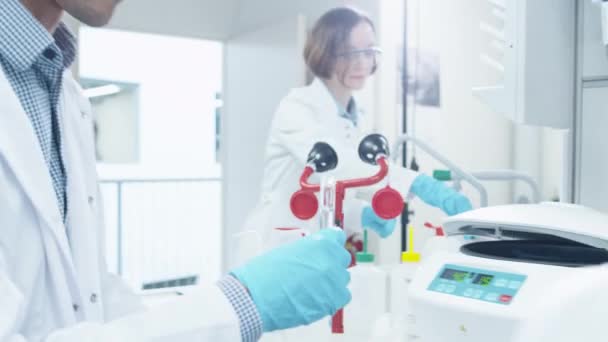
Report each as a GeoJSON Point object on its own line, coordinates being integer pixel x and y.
{"type": "Point", "coordinates": [424, 80]}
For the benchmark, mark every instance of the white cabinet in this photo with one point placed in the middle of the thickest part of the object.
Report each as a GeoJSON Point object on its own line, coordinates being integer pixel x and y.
{"type": "Point", "coordinates": [595, 55]}
{"type": "Point", "coordinates": [592, 189]}
{"type": "Point", "coordinates": [530, 47]}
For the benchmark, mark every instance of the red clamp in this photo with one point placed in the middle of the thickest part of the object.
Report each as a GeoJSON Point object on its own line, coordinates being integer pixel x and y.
{"type": "Point", "coordinates": [438, 229]}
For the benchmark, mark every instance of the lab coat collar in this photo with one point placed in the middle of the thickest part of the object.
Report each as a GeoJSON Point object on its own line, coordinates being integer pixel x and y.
{"type": "Point", "coordinates": [21, 150]}
{"type": "Point", "coordinates": [323, 97]}
{"type": "Point", "coordinates": [326, 101]}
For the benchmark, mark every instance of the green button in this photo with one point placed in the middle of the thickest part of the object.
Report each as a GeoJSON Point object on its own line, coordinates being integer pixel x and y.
{"type": "Point", "coordinates": [442, 175]}
{"type": "Point", "coordinates": [364, 257]}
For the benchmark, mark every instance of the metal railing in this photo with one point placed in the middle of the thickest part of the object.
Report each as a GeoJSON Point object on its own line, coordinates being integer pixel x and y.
{"type": "Point", "coordinates": [160, 223]}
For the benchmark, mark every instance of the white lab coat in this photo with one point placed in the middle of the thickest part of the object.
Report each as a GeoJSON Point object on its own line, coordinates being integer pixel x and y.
{"type": "Point", "coordinates": [305, 116]}
{"type": "Point", "coordinates": [50, 280]}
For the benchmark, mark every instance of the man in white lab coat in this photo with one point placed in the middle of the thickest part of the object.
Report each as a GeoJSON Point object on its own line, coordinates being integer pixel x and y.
{"type": "Point", "coordinates": [53, 282]}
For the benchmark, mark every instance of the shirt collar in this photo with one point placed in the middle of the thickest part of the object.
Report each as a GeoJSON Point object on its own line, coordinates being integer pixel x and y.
{"type": "Point", "coordinates": [23, 39]}
{"type": "Point", "coordinates": [351, 107]}
{"type": "Point", "coordinates": [350, 110]}
{"type": "Point", "coordinates": [66, 42]}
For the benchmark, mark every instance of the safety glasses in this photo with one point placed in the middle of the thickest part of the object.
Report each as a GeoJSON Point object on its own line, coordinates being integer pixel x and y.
{"type": "Point", "coordinates": [370, 54]}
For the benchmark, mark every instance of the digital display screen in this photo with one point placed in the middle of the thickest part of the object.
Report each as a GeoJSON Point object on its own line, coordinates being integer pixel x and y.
{"type": "Point", "coordinates": [477, 284]}
{"type": "Point", "coordinates": [455, 275]}
{"type": "Point", "coordinates": [483, 279]}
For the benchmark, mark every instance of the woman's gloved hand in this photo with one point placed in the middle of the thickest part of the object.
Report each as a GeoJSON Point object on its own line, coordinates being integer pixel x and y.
{"type": "Point", "coordinates": [437, 194]}
{"type": "Point", "coordinates": [300, 282]}
{"type": "Point", "coordinates": [370, 220]}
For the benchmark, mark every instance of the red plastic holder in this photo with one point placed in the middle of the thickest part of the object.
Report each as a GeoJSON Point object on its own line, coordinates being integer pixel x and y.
{"type": "Point", "coordinates": [304, 204]}
{"type": "Point", "coordinates": [387, 203]}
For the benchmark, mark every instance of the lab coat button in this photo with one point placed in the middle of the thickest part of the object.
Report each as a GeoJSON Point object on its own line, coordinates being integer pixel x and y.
{"type": "Point", "coordinates": [83, 114]}
{"type": "Point", "coordinates": [75, 307]}
{"type": "Point", "coordinates": [93, 298]}
{"type": "Point", "coordinates": [91, 200]}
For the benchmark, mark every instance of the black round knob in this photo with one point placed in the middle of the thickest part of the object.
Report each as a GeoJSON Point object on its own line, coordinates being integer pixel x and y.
{"type": "Point", "coordinates": [323, 157]}
{"type": "Point", "coordinates": [371, 147]}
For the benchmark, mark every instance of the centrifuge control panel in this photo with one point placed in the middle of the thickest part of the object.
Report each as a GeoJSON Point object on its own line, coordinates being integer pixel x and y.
{"type": "Point", "coordinates": [484, 285]}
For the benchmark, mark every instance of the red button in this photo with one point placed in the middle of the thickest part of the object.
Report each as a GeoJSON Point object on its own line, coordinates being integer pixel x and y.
{"type": "Point", "coordinates": [506, 298]}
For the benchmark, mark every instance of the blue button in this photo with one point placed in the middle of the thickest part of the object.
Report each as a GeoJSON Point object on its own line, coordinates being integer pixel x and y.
{"type": "Point", "coordinates": [468, 293]}
{"type": "Point", "coordinates": [515, 285]}
{"type": "Point", "coordinates": [440, 287]}
{"type": "Point", "coordinates": [492, 297]}
{"type": "Point", "coordinates": [450, 289]}
{"type": "Point", "coordinates": [49, 54]}
{"type": "Point", "coordinates": [477, 294]}
{"type": "Point", "coordinates": [501, 282]}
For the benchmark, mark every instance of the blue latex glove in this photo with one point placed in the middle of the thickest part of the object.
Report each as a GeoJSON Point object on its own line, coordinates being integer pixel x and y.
{"type": "Point", "coordinates": [370, 220]}
{"type": "Point", "coordinates": [300, 282]}
{"type": "Point", "coordinates": [437, 194]}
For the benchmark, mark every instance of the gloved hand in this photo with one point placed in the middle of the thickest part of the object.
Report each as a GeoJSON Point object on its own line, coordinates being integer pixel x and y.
{"type": "Point", "coordinates": [370, 220]}
{"type": "Point", "coordinates": [300, 282]}
{"type": "Point", "coordinates": [437, 194]}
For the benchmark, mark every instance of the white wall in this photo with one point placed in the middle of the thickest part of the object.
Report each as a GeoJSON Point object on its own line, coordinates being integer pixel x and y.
{"type": "Point", "coordinates": [539, 152]}
{"type": "Point", "coordinates": [553, 178]}
{"type": "Point", "coordinates": [218, 20]}
{"type": "Point", "coordinates": [261, 67]}
{"type": "Point", "coordinates": [252, 15]}
{"type": "Point", "coordinates": [205, 19]}
{"type": "Point", "coordinates": [176, 99]}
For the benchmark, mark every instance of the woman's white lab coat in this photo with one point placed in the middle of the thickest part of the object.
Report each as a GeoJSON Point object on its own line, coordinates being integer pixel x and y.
{"type": "Point", "coordinates": [51, 280]}
{"type": "Point", "coordinates": [305, 116]}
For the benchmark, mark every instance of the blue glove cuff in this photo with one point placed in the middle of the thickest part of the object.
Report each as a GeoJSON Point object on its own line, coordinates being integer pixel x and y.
{"type": "Point", "coordinates": [438, 194]}
{"type": "Point", "coordinates": [382, 227]}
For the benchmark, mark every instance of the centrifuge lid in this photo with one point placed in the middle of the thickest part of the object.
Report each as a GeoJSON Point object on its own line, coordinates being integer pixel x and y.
{"type": "Point", "coordinates": [568, 221]}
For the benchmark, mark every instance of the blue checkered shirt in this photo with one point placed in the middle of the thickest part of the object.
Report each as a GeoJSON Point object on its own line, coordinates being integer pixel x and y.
{"type": "Point", "coordinates": [249, 317]}
{"type": "Point", "coordinates": [34, 61]}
